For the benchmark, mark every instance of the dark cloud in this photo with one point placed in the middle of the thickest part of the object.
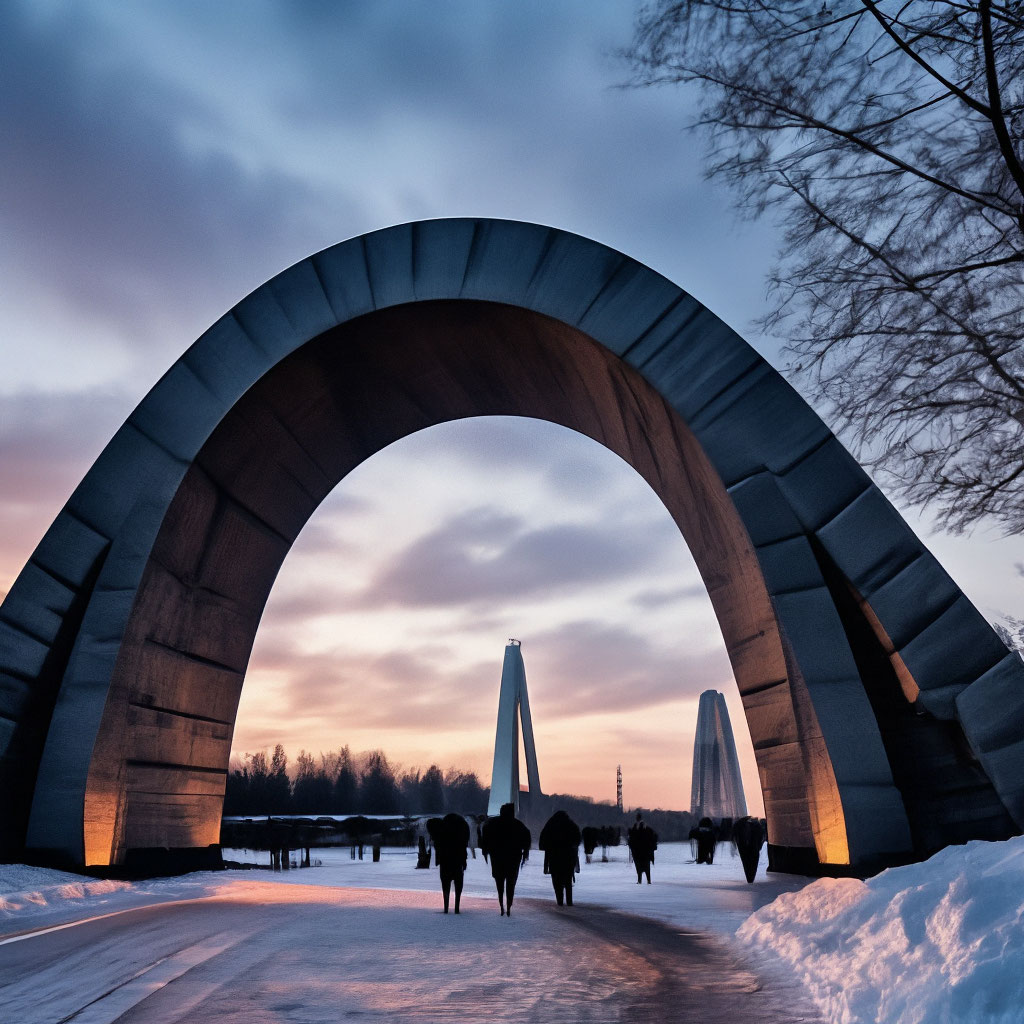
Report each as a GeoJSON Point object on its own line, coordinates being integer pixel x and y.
{"type": "Point", "coordinates": [568, 464]}
{"type": "Point", "coordinates": [481, 63]}
{"type": "Point", "coordinates": [105, 196]}
{"type": "Point", "coordinates": [583, 474]}
{"type": "Point", "coordinates": [651, 599]}
{"type": "Point", "coordinates": [485, 555]}
{"type": "Point", "coordinates": [150, 194]}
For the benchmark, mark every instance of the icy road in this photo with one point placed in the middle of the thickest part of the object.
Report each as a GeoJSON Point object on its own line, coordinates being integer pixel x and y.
{"type": "Point", "coordinates": [265, 952]}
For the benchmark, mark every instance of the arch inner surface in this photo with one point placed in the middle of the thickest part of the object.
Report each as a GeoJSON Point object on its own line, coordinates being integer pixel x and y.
{"type": "Point", "coordinates": [158, 767]}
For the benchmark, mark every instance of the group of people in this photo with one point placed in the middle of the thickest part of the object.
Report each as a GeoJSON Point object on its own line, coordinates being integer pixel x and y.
{"type": "Point", "coordinates": [505, 843]}
{"type": "Point", "coordinates": [747, 834]}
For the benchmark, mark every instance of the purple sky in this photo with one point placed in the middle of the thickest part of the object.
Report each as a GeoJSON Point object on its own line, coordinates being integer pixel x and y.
{"type": "Point", "coordinates": [162, 159]}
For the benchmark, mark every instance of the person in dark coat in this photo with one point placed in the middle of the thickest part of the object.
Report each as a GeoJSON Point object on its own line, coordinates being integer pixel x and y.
{"type": "Point", "coordinates": [560, 841]}
{"type": "Point", "coordinates": [643, 841]}
{"type": "Point", "coordinates": [707, 839]}
{"type": "Point", "coordinates": [505, 842]}
{"type": "Point", "coordinates": [748, 836]}
{"type": "Point", "coordinates": [450, 837]}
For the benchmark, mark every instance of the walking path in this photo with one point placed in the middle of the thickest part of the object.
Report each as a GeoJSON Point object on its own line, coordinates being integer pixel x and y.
{"type": "Point", "coordinates": [259, 951]}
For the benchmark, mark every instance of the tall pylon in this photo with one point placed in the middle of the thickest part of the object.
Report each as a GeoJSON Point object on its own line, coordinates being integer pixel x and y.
{"type": "Point", "coordinates": [513, 708]}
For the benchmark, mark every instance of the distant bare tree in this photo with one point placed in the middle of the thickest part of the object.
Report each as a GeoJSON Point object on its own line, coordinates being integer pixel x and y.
{"type": "Point", "coordinates": [887, 137]}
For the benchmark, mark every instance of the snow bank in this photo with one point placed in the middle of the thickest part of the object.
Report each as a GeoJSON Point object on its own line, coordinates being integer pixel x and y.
{"type": "Point", "coordinates": [24, 888]}
{"type": "Point", "coordinates": [923, 944]}
{"type": "Point", "coordinates": [32, 897]}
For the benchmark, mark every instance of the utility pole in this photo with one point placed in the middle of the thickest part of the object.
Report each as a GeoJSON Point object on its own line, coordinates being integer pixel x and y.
{"type": "Point", "coordinates": [618, 788]}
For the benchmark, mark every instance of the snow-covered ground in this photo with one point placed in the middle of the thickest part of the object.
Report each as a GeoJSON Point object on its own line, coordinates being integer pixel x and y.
{"type": "Point", "coordinates": [715, 898]}
{"type": "Point", "coordinates": [924, 944]}
{"type": "Point", "coordinates": [929, 943]}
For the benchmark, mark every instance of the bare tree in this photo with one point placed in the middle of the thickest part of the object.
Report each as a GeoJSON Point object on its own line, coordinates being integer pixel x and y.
{"type": "Point", "coordinates": [887, 138]}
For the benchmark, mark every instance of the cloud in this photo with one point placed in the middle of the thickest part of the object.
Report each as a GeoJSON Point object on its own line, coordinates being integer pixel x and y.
{"type": "Point", "coordinates": [47, 444]}
{"type": "Point", "coordinates": [652, 599]}
{"type": "Point", "coordinates": [106, 198]}
{"type": "Point", "coordinates": [559, 463]}
{"type": "Point", "coordinates": [299, 606]}
{"type": "Point", "coordinates": [418, 686]}
{"type": "Point", "coordinates": [574, 670]}
{"type": "Point", "coordinates": [164, 159]}
{"type": "Point", "coordinates": [485, 555]}
{"type": "Point", "coordinates": [170, 159]}
{"type": "Point", "coordinates": [49, 440]}
{"type": "Point", "coordinates": [589, 666]}
{"type": "Point", "coordinates": [325, 532]}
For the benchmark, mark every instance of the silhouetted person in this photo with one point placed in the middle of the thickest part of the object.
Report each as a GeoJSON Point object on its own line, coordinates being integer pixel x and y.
{"type": "Point", "coordinates": [560, 841]}
{"type": "Point", "coordinates": [748, 835]}
{"type": "Point", "coordinates": [706, 838]}
{"type": "Point", "coordinates": [505, 842]}
{"type": "Point", "coordinates": [643, 841]}
{"type": "Point", "coordinates": [422, 856]}
{"type": "Point", "coordinates": [450, 837]}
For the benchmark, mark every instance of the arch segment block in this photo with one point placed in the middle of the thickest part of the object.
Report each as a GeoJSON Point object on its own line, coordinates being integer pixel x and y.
{"type": "Point", "coordinates": [884, 712]}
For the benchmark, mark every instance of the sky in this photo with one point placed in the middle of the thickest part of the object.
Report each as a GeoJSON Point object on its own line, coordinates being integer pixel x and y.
{"type": "Point", "coordinates": [163, 159]}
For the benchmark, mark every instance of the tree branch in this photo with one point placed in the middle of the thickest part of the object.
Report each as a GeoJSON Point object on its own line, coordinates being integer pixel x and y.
{"type": "Point", "coordinates": [942, 275]}
{"type": "Point", "coordinates": [995, 101]}
{"type": "Point", "coordinates": [887, 28]}
{"type": "Point", "coordinates": [809, 121]}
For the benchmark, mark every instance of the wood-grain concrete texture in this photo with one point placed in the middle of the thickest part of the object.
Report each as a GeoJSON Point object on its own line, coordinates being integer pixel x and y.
{"type": "Point", "coordinates": [886, 716]}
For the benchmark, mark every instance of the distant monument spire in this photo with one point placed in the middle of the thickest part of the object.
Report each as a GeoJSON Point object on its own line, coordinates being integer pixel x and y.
{"type": "Point", "coordinates": [716, 790]}
{"type": "Point", "coordinates": [513, 708]}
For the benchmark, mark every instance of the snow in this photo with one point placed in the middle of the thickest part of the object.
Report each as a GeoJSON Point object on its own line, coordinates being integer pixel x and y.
{"type": "Point", "coordinates": [922, 944]}
{"type": "Point", "coordinates": [712, 898]}
{"type": "Point", "coordinates": [32, 898]}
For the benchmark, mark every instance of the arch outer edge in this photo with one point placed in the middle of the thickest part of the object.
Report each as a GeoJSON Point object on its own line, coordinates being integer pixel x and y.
{"type": "Point", "coordinates": [793, 484]}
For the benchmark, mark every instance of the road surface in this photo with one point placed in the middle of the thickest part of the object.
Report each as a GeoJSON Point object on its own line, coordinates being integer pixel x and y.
{"type": "Point", "coordinates": [270, 954]}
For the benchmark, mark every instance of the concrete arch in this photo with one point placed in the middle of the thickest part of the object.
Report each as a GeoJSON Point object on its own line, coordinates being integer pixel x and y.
{"type": "Point", "coordinates": [886, 717]}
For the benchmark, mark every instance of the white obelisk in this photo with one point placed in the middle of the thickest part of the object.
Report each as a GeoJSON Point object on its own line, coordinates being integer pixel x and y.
{"type": "Point", "coordinates": [716, 787]}
{"type": "Point", "coordinates": [513, 707]}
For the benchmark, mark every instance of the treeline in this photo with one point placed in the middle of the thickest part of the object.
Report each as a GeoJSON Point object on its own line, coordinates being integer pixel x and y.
{"type": "Point", "coordinates": [339, 782]}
